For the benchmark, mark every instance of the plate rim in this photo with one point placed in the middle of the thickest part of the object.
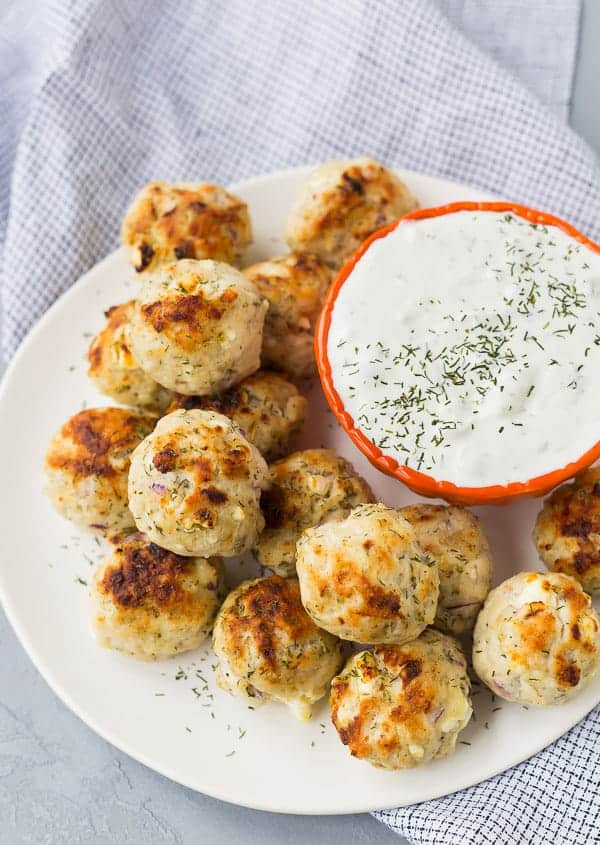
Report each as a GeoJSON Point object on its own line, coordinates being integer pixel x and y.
{"type": "Point", "coordinates": [82, 712]}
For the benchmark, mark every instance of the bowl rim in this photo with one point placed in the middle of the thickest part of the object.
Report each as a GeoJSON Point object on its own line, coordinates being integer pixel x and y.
{"type": "Point", "coordinates": [419, 482]}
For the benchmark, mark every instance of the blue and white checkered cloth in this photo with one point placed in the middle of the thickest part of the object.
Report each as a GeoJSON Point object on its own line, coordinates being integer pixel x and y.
{"type": "Point", "coordinates": [134, 90]}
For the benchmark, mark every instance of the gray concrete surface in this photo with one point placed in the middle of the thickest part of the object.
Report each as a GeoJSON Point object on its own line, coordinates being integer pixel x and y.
{"type": "Point", "coordinates": [59, 782]}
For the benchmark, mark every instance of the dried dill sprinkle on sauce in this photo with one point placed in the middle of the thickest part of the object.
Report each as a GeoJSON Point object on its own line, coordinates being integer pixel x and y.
{"type": "Point", "coordinates": [482, 321]}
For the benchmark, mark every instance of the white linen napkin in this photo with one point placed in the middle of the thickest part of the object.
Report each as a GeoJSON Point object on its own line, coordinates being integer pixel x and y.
{"type": "Point", "coordinates": [140, 90]}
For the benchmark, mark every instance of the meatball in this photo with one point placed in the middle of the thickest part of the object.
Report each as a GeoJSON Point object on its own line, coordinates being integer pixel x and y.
{"type": "Point", "coordinates": [197, 327]}
{"type": "Point", "coordinates": [270, 649]}
{"type": "Point", "coordinates": [268, 409]}
{"type": "Point", "coordinates": [186, 220]}
{"type": "Point", "coordinates": [87, 463]}
{"type": "Point", "coordinates": [567, 531]}
{"type": "Point", "coordinates": [152, 604]}
{"type": "Point", "coordinates": [114, 368]}
{"type": "Point", "coordinates": [194, 485]}
{"type": "Point", "coordinates": [307, 488]}
{"type": "Point", "coordinates": [537, 639]}
{"type": "Point", "coordinates": [343, 202]}
{"type": "Point", "coordinates": [454, 537]}
{"type": "Point", "coordinates": [400, 706]}
{"type": "Point", "coordinates": [294, 286]}
{"type": "Point", "coordinates": [367, 578]}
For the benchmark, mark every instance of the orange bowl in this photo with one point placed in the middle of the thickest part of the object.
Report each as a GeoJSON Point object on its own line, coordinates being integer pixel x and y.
{"type": "Point", "coordinates": [426, 485]}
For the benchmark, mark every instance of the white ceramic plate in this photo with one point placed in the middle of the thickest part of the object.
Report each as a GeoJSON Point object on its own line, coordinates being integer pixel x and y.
{"type": "Point", "coordinates": [171, 716]}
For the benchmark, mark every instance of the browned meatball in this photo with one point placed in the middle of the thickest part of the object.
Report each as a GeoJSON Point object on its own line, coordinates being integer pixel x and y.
{"type": "Point", "coordinates": [454, 537]}
{"type": "Point", "coordinates": [87, 464]}
{"type": "Point", "coordinates": [344, 202]}
{"type": "Point", "coordinates": [197, 327]}
{"type": "Point", "coordinates": [366, 579]}
{"type": "Point", "coordinates": [537, 639]}
{"type": "Point", "coordinates": [294, 286]}
{"type": "Point", "coordinates": [266, 407]}
{"type": "Point", "coordinates": [400, 706]}
{"type": "Point", "coordinates": [186, 220]}
{"type": "Point", "coordinates": [114, 368]}
{"type": "Point", "coordinates": [152, 604]}
{"type": "Point", "coordinates": [567, 531]}
{"type": "Point", "coordinates": [269, 648]}
{"type": "Point", "coordinates": [307, 489]}
{"type": "Point", "coordinates": [195, 484]}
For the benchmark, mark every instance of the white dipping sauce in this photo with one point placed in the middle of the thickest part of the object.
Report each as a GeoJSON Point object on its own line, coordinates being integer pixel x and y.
{"type": "Point", "coordinates": [468, 346]}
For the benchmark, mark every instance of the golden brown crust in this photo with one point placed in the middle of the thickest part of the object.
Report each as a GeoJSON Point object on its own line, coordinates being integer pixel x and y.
{"type": "Point", "coordinates": [349, 194]}
{"type": "Point", "coordinates": [540, 627]}
{"type": "Point", "coordinates": [536, 632]}
{"type": "Point", "coordinates": [87, 465]}
{"type": "Point", "coordinates": [349, 583]}
{"type": "Point", "coordinates": [376, 600]}
{"type": "Point", "coordinates": [173, 222]}
{"type": "Point", "coordinates": [147, 573]}
{"type": "Point", "coordinates": [95, 356]}
{"type": "Point", "coordinates": [180, 317]}
{"type": "Point", "coordinates": [230, 461]}
{"type": "Point", "coordinates": [95, 441]}
{"type": "Point", "coordinates": [165, 460]}
{"type": "Point", "coordinates": [567, 531]}
{"type": "Point", "coordinates": [204, 501]}
{"type": "Point", "coordinates": [269, 609]}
